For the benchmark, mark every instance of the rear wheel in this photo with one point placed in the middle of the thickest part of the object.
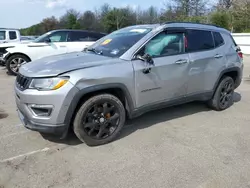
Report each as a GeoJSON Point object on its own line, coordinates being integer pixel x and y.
{"type": "Point", "coordinates": [14, 63]}
{"type": "Point", "coordinates": [99, 120]}
{"type": "Point", "coordinates": [223, 96]}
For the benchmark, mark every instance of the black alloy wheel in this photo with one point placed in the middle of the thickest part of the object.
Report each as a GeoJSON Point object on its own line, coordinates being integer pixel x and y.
{"type": "Point", "coordinates": [226, 93]}
{"type": "Point", "coordinates": [99, 120]}
{"type": "Point", "coordinates": [223, 96]}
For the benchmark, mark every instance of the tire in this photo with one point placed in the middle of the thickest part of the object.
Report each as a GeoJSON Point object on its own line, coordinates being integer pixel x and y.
{"type": "Point", "coordinates": [93, 111]}
{"type": "Point", "coordinates": [216, 103]}
{"type": "Point", "coordinates": [18, 59]}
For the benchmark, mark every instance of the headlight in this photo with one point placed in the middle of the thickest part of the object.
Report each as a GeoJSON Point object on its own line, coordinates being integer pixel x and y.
{"type": "Point", "coordinates": [48, 83]}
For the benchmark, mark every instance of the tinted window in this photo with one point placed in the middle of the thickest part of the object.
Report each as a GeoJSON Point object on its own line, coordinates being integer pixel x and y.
{"type": "Point", "coordinates": [95, 36]}
{"type": "Point", "coordinates": [12, 35]}
{"type": "Point", "coordinates": [85, 36]}
{"type": "Point", "coordinates": [78, 36]}
{"type": "Point", "coordinates": [2, 35]}
{"type": "Point", "coordinates": [199, 40]}
{"type": "Point", "coordinates": [165, 44]}
{"type": "Point", "coordinates": [218, 40]}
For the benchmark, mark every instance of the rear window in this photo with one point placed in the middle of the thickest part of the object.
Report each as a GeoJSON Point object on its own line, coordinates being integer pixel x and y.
{"type": "Point", "coordinates": [218, 40]}
{"type": "Point", "coordinates": [199, 40]}
{"type": "Point", "coordinates": [12, 35]}
{"type": "Point", "coordinates": [2, 35]}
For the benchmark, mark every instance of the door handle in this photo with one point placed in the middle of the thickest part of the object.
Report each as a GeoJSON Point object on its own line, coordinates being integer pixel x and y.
{"type": "Point", "coordinates": [181, 61]}
{"type": "Point", "coordinates": [62, 46]}
{"type": "Point", "coordinates": [218, 56]}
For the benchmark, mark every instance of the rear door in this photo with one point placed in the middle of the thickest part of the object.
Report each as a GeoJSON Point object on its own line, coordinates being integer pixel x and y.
{"type": "Point", "coordinates": [78, 40]}
{"type": "Point", "coordinates": [202, 55]}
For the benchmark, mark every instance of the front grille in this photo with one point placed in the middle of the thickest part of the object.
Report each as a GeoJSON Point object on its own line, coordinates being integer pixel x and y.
{"type": "Point", "coordinates": [22, 82]}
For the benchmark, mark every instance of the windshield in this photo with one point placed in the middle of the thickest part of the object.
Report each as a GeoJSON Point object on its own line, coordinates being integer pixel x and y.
{"type": "Point", "coordinates": [118, 42]}
{"type": "Point", "coordinates": [42, 37]}
{"type": "Point", "coordinates": [2, 35]}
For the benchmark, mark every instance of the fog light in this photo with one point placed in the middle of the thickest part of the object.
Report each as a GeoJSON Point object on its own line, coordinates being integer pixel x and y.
{"type": "Point", "coordinates": [41, 110]}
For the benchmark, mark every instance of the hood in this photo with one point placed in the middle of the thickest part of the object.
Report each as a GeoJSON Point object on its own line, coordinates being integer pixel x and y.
{"type": "Point", "coordinates": [55, 65]}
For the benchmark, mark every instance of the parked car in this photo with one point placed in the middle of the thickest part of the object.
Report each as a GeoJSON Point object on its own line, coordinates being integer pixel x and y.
{"type": "Point", "coordinates": [7, 38]}
{"type": "Point", "coordinates": [125, 74]}
{"type": "Point", "coordinates": [8, 35]}
{"type": "Point", "coordinates": [52, 43]}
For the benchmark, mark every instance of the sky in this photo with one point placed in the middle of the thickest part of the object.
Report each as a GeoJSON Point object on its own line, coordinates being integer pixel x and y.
{"type": "Point", "coordinates": [24, 13]}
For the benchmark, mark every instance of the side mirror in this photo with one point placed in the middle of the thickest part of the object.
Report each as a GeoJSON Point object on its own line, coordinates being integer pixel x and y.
{"type": "Point", "coordinates": [146, 58]}
{"type": "Point", "coordinates": [47, 40]}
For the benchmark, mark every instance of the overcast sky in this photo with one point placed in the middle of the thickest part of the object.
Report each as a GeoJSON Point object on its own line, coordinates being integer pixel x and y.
{"type": "Point", "coordinates": [24, 13]}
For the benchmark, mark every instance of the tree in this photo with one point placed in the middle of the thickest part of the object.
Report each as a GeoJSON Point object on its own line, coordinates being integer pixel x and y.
{"type": "Point", "coordinates": [49, 24]}
{"type": "Point", "coordinates": [70, 20]}
{"type": "Point", "coordinates": [118, 18]}
{"type": "Point", "coordinates": [220, 19]}
{"type": "Point", "coordinates": [88, 21]}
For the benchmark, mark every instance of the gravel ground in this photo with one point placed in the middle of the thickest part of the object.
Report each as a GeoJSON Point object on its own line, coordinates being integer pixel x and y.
{"type": "Point", "coordinates": [184, 146]}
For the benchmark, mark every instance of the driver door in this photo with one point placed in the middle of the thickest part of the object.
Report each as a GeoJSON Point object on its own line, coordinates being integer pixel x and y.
{"type": "Point", "coordinates": [54, 44]}
{"type": "Point", "coordinates": [167, 76]}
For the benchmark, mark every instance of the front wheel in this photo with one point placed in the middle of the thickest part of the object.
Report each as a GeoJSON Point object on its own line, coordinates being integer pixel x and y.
{"type": "Point", "coordinates": [14, 63]}
{"type": "Point", "coordinates": [99, 120]}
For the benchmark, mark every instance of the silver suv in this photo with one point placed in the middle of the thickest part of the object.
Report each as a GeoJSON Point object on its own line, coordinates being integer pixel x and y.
{"type": "Point", "coordinates": [125, 74]}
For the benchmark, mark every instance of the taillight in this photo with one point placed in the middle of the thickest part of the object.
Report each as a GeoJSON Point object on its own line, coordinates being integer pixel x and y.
{"type": "Point", "coordinates": [185, 42]}
{"type": "Point", "coordinates": [238, 50]}
{"type": "Point", "coordinates": [240, 54]}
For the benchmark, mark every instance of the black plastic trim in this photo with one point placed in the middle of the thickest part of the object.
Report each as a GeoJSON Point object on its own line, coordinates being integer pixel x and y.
{"type": "Point", "coordinates": [164, 104]}
{"type": "Point", "coordinates": [58, 130]}
{"type": "Point", "coordinates": [228, 70]}
{"type": "Point", "coordinates": [76, 99]}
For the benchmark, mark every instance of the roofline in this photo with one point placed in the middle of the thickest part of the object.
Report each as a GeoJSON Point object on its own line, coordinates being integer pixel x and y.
{"type": "Point", "coordinates": [9, 28]}
{"type": "Point", "coordinates": [90, 31]}
{"type": "Point", "coordinates": [208, 26]}
{"type": "Point", "coordinates": [191, 23]}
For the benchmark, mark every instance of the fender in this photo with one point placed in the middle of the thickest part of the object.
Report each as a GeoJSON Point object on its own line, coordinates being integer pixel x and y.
{"type": "Point", "coordinates": [228, 70]}
{"type": "Point", "coordinates": [76, 99]}
{"type": "Point", "coordinates": [7, 56]}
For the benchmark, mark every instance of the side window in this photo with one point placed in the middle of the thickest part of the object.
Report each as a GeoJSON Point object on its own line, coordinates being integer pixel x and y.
{"type": "Point", "coordinates": [60, 36]}
{"type": "Point", "coordinates": [95, 36]}
{"type": "Point", "coordinates": [218, 40]}
{"type": "Point", "coordinates": [12, 35]}
{"type": "Point", "coordinates": [2, 35]}
{"type": "Point", "coordinates": [77, 36]}
{"type": "Point", "coordinates": [165, 44]}
{"type": "Point", "coordinates": [199, 40]}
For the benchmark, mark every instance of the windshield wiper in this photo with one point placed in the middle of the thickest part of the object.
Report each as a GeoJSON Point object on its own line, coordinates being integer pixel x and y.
{"type": "Point", "coordinates": [93, 50]}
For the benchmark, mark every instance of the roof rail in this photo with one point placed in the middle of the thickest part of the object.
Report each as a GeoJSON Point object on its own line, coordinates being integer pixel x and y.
{"type": "Point", "coordinates": [190, 23]}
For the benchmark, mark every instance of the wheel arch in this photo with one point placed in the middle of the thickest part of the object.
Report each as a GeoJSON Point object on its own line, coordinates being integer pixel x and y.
{"type": "Point", "coordinates": [117, 89]}
{"type": "Point", "coordinates": [16, 53]}
{"type": "Point", "coordinates": [233, 72]}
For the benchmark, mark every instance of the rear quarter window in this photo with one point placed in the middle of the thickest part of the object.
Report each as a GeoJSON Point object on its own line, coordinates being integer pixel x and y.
{"type": "Point", "coordinates": [218, 40]}
{"type": "Point", "coordinates": [199, 40]}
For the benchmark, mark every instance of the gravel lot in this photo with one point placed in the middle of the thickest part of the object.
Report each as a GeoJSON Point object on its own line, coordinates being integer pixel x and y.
{"type": "Point", "coordinates": [185, 146]}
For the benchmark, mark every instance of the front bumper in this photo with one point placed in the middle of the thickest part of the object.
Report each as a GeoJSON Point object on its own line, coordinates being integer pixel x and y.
{"type": "Point", "coordinates": [55, 121]}
{"type": "Point", "coordinates": [3, 57]}
{"type": "Point", "coordinates": [59, 130]}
